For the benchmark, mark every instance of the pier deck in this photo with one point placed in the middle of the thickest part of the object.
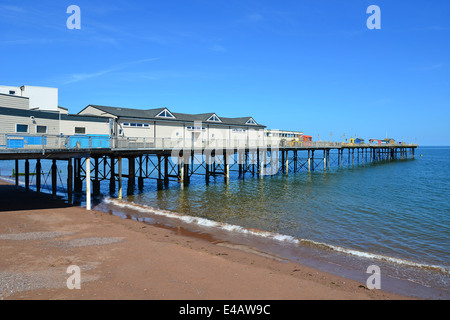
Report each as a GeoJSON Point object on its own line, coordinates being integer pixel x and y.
{"type": "Point", "coordinates": [173, 160]}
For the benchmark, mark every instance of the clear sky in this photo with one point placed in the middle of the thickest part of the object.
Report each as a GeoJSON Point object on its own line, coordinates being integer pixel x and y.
{"type": "Point", "coordinates": [308, 65]}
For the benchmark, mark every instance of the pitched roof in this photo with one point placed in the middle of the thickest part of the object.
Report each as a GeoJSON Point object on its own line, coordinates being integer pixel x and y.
{"type": "Point", "coordinates": [179, 117]}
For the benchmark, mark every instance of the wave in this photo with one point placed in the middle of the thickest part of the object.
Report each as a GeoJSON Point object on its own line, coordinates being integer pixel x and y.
{"type": "Point", "coordinates": [203, 222]}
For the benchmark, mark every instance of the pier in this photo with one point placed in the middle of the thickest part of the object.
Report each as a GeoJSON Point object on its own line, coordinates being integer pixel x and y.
{"type": "Point", "coordinates": [169, 160]}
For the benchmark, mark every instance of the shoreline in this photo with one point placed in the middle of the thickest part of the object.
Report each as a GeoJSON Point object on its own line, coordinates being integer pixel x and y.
{"type": "Point", "coordinates": [126, 259]}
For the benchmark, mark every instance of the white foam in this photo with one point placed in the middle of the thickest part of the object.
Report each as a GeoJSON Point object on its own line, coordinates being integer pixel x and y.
{"type": "Point", "coordinates": [266, 234]}
{"type": "Point", "coordinates": [202, 221]}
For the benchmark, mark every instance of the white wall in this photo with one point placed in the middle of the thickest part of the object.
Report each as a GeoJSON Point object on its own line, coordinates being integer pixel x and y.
{"type": "Point", "coordinates": [7, 89]}
{"type": "Point", "coordinates": [91, 127]}
{"type": "Point", "coordinates": [43, 98]}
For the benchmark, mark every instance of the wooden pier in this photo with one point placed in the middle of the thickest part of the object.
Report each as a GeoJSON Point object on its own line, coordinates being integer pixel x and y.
{"type": "Point", "coordinates": [92, 166]}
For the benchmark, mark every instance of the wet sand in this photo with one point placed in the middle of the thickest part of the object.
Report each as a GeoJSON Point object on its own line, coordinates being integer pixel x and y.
{"type": "Point", "coordinates": [124, 259]}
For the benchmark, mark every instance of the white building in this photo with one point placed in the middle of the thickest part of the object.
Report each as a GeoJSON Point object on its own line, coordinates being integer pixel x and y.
{"type": "Point", "coordinates": [40, 98]}
{"type": "Point", "coordinates": [21, 127]}
{"type": "Point", "coordinates": [161, 125]}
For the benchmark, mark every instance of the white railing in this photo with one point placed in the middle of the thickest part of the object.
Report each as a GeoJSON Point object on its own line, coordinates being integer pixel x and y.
{"type": "Point", "coordinates": [54, 142]}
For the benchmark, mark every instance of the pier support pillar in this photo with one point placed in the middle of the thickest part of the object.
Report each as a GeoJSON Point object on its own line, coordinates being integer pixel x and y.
{"type": "Point", "coordinates": [309, 160]}
{"type": "Point", "coordinates": [328, 158]}
{"type": "Point", "coordinates": [38, 175]}
{"type": "Point", "coordinates": [185, 166]}
{"type": "Point", "coordinates": [240, 160]}
{"type": "Point", "coordinates": [96, 182]}
{"type": "Point", "coordinates": [120, 178]}
{"type": "Point", "coordinates": [141, 174]}
{"type": "Point", "coordinates": [69, 181]}
{"type": "Point", "coordinates": [27, 175]}
{"type": "Point", "coordinates": [112, 178]}
{"type": "Point", "coordinates": [16, 174]}
{"type": "Point", "coordinates": [286, 164]}
{"type": "Point", "coordinates": [312, 160]}
{"type": "Point", "coordinates": [295, 160]}
{"type": "Point", "coordinates": [166, 170]}
{"type": "Point", "coordinates": [263, 164]}
{"type": "Point", "coordinates": [77, 175]}
{"type": "Point", "coordinates": [88, 183]}
{"type": "Point", "coordinates": [226, 167]}
{"type": "Point", "coordinates": [207, 167]}
{"type": "Point", "coordinates": [131, 175]}
{"type": "Point", "coordinates": [159, 184]}
{"type": "Point", "coordinates": [54, 179]}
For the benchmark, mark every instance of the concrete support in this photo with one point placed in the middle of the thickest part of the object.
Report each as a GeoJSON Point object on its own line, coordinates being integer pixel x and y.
{"type": "Point", "coordinates": [120, 178]}
{"type": "Point", "coordinates": [88, 183]}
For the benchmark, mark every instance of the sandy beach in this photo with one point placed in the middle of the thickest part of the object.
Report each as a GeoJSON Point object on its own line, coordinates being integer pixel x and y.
{"type": "Point", "coordinates": [124, 259]}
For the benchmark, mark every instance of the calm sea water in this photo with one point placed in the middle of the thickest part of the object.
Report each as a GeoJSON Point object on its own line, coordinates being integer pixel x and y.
{"type": "Point", "coordinates": [392, 214]}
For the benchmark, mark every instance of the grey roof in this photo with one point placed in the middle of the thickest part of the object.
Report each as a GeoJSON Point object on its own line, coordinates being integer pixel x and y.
{"type": "Point", "coordinates": [179, 117]}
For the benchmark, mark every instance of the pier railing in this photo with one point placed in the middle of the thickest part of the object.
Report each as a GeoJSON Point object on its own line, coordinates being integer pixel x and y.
{"type": "Point", "coordinates": [11, 142]}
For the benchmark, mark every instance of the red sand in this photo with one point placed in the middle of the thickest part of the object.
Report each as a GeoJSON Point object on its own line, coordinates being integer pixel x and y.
{"type": "Point", "coordinates": [150, 263]}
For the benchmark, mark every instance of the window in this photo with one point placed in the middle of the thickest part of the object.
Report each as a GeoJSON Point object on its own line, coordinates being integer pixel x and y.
{"type": "Point", "coordinates": [196, 128]}
{"type": "Point", "coordinates": [21, 128]}
{"type": "Point", "coordinates": [214, 118]}
{"type": "Point", "coordinates": [251, 121]}
{"type": "Point", "coordinates": [165, 114]}
{"type": "Point", "coordinates": [12, 92]}
{"type": "Point", "coordinates": [80, 130]}
{"type": "Point", "coordinates": [136, 125]}
{"type": "Point", "coordinates": [41, 129]}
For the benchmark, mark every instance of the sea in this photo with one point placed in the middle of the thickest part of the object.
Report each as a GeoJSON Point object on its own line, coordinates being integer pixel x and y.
{"type": "Point", "coordinates": [393, 215]}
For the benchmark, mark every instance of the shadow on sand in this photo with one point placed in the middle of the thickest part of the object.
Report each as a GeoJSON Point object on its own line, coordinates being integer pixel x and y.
{"type": "Point", "coordinates": [12, 199]}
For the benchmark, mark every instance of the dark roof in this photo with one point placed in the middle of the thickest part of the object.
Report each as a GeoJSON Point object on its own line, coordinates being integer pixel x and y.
{"type": "Point", "coordinates": [52, 115]}
{"type": "Point", "coordinates": [127, 112]}
{"type": "Point", "coordinates": [179, 117]}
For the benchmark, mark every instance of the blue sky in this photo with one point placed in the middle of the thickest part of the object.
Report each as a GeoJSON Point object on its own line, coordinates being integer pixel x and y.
{"type": "Point", "coordinates": [304, 65]}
